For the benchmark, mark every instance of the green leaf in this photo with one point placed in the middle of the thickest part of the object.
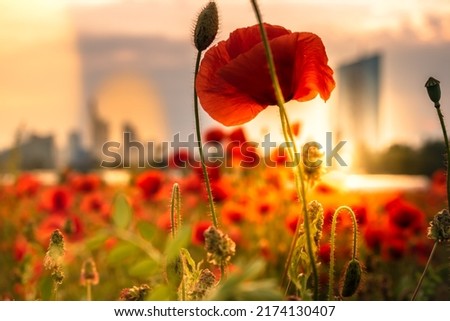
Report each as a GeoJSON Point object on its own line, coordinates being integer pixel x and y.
{"type": "Point", "coordinates": [122, 252]}
{"type": "Point", "coordinates": [161, 293]}
{"type": "Point", "coordinates": [146, 230]}
{"type": "Point", "coordinates": [174, 245]}
{"type": "Point", "coordinates": [97, 240]}
{"type": "Point", "coordinates": [46, 288]}
{"type": "Point", "coordinates": [144, 269]}
{"type": "Point", "coordinates": [122, 212]}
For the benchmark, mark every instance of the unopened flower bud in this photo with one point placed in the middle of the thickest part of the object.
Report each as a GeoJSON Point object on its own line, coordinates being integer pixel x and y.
{"type": "Point", "coordinates": [206, 28]}
{"type": "Point", "coordinates": [89, 273]}
{"type": "Point", "coordinates": [434, 91]}
{"type": "Point", "coordinates": [352, 278]}
{"type": "Point", "coordinates": [439, 229]}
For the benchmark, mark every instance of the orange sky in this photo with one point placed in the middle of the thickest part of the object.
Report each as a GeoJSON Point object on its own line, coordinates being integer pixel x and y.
{"type": "Point", "coordinates": [40, 67]}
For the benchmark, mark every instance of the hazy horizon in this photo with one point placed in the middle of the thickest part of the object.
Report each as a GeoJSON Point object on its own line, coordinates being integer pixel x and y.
{"type": "Point", "coordinates": [57, 55]}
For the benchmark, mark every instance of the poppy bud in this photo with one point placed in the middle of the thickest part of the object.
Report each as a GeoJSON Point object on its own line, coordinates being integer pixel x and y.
{"type": "Point", "coordinates": [89, 274]}
{"type": "Point", "coordinates": [206, 28]}
{"type": "Point", "coordinates": [434, 91]}
{"type": "Point", "coordinates": [352, 278]}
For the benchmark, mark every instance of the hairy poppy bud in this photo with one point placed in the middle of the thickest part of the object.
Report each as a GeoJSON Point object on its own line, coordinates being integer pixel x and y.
{"type": "Point", "coordinates": [206, 28]}
{"type": "Point", "coordinates": [352, 278]}
{"type": "Point", "coordinates": [434, 91]}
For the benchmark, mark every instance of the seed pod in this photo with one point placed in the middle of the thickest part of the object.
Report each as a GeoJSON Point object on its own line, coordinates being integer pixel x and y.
{"type": "Point", "coordinates": [439, 229]}
{"type": "Point", "coordinates": [434, 91]}
{"type": "Point", "coordinates": [352, 278]}
{"type": "Point", "coordinates": [207, 26]}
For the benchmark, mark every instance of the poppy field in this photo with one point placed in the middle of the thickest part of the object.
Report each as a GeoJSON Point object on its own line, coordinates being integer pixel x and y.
{"type": "Point", "coordinates": [251, 227]}
{"type": "Point", "coordinates": [123, 241]}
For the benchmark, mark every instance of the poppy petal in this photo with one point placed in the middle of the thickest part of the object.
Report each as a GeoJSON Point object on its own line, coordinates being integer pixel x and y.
{"type": "Point", "coordinates": [222, 101]}
{"type": "Point", "coordinates": [312, 75]}
{"type": "Point", "coordinates": [234, 85]}
{"type": "Point", "coordinates": [243, 39]}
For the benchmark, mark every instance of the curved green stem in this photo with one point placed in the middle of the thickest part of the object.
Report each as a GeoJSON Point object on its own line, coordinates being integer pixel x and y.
{"type": "Point", "coordinates": [292, 148]}
{"type": "Point", "coordinates": [200, 146]}
{"type": "Point", "coordinates": [333, 244]}
{"type": "Point", "coordinates": [444, 132]}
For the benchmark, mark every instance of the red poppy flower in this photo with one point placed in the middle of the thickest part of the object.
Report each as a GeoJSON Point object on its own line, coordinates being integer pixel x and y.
{"type": "Point", "coordinates": [232, 213]}
{"type": "Point", "coordinates": [324, 253]}
{"type": "Point", "coordinates": [198, 237]}
{"type": "Point", "coordinates": [360, 213]}
{"type": "Point", "coordinates": [27, 185]}
{"type": "Point", "coordinates": [71, 226]}
{"type": "Point", "coordinates": [180, 159]}
{"type": "Point", "coordinates": [234, 85]}
{"type": "Point", "coordinates": [291, 223]}
{"type": "Point", "coordinates": [374, 236]}
{"type": "Point", "coordinates": [57, 199]}
{"type": "Point", "coordinates": [215, 134]}
{"type": "Point", "coordinates": [20, 248]}
{"type": "Point", "coordinates": [237, 135]}
{"type": "Point", "coordinates": [85, 183]}
{"type": "Point", "coordinates": [150, 183]}
{"type": "Point", "coordinates": [405, 216]}
{"type": "Point", "coordinates": [95, 202]}
{"type": "Point", "coordinates": [214, 172]}
{"type": "Point", "coordinates": [394, 248]}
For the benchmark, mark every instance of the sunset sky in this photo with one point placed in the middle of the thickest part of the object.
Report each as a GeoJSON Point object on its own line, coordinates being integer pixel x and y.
{"type": "Point", "coordinates": [44, 81]}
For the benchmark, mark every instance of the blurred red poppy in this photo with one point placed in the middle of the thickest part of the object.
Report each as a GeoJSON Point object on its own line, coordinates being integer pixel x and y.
{"type": "Point", "coordinates": [291, 222]}
{"type": "Point", "coordinates": [150, 183]}
{"type": "Point", "coordinates": [405, 216]}
{"type": "Point", "coordinates": [237, 135]}
{"type": "Point", "coordinates": [374, 236]}
{"type": "Point", "coordinates": [56, 199]}
{"type": "Point", "coordinates": [234, 85]}
{"type": "Point", "coordinates": [214, 134]}
{"type": "Point", "coordinates": [20, 248]}
{"type": "Point", "coordinates": [198, 237]}
{"type": "Point", "coordinates": [27, 185]}
{"type": "Point", "coordinates": [232, 213]}
{"type": "Point", "coordinates": [324, 253]}
{"type": "Point", "coordinates": [85, 183]}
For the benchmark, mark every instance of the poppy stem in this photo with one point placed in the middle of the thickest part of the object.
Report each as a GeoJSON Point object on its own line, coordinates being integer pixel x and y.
{"type": "Point", "coordinates": [88, 290]}
{"type": "Point", "coordinates": [424, 272]}
{"type": "Point", "coordinates": [200, 145]}
{"type": "Point", "coordinates": [447, 148]}
{"type": "Point", "coordinates": [292, 148]}
{"type": "Point", "coordinates": [333, 245]}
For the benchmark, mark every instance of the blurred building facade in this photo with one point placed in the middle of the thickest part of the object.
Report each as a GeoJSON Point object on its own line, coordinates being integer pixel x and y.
{"type": "Point", "coordinates": [33, 152]}
{"type": "Point", "coordinates": [357, 119]}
